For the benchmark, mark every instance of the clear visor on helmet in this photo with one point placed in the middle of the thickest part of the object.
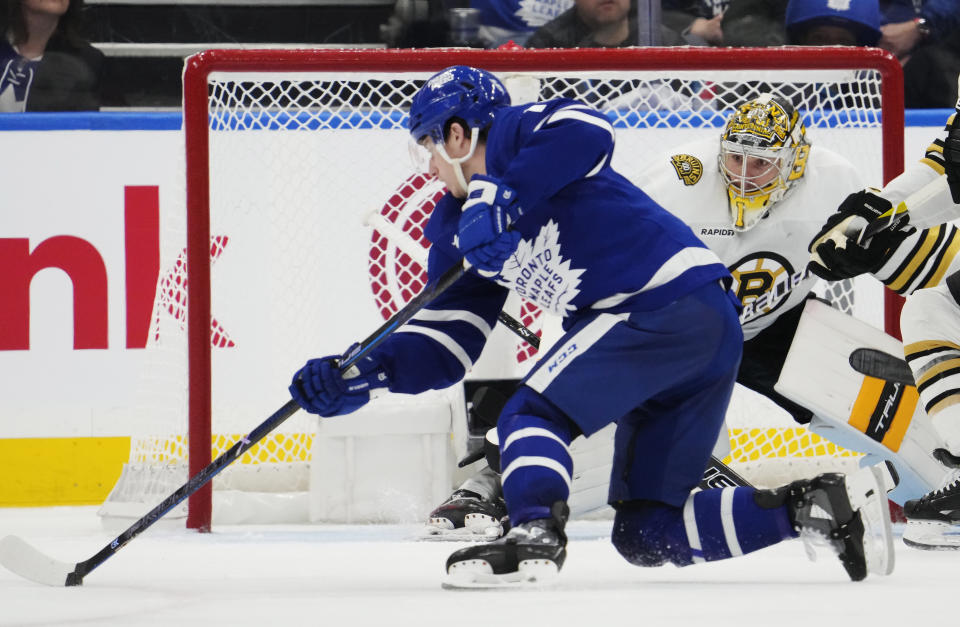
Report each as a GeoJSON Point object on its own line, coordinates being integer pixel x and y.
{"type": "Point", "coordinates": [424, 151]}
{"type": "Point", "coordinates": [420, 153]}
{"type": "Point", "coordinates": [755, 180]}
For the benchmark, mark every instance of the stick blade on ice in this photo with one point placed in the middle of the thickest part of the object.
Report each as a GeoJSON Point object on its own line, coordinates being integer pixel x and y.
{"type": "Point", "coordinates": [22, 559]}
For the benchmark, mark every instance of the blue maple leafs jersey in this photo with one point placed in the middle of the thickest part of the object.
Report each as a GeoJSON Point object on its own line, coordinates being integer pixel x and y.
{"type": "Point", "coordinates": [519, 15]}
{"type": "Point", "coordinates": [591, 242]}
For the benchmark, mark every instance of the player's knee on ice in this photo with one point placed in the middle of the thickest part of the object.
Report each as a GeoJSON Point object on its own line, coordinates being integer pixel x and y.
{"type": "Point", "coordinates": [648, 533]}
{"type": "Point", "coordinates": [711, 525]}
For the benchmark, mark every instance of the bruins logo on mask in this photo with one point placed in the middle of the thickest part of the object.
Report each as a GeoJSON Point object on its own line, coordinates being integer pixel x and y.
{"type": "Point", "coordinates": [688, 168]}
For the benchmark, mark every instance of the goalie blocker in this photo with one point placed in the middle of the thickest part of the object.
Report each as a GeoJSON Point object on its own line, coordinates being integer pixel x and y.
{"type": "Point", "coordinates": [880, 417]}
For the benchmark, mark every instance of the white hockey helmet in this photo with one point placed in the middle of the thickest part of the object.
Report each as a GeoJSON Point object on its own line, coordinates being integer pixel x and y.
{"type": "Point", "coordinates": [763, 152]}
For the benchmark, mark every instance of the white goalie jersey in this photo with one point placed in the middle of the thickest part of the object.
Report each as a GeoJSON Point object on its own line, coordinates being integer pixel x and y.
{"type": "Point", "coordinates": [687, 182]}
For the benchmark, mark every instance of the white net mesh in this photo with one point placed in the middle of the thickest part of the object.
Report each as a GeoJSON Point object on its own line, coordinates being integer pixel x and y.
{"type": "Point", "coordinates": [315, 207]}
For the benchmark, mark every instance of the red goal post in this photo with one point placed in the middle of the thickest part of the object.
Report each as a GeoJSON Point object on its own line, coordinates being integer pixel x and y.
{"type": "Point", "coordinates": [378, 66]}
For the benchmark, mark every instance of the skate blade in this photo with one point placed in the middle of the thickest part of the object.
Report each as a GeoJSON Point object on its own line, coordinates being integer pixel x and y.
{"type": "Point", "coordinates": [462, 534]}
{"type": "Point", "coordinates": [476, 528]}
{"type": "Point", "coordinates": [932, 535]}
{"type": "Point", "coordinates": [867, 491]}
{"type": "Point", "coordinates": [477, 575]}
{"type": "Point", "coordinates": [482, 524]}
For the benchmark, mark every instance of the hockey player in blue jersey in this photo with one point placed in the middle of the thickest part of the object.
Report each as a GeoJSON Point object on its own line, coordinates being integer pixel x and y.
{"type": "Point", "coordinates": [652, 342]}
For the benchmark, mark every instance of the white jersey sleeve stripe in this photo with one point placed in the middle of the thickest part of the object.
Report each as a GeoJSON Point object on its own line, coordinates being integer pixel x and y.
{"type": "Point", "coordinates": [533, 460]}
{"type": "Point", "coordinates": [452, 315]}
{"type": "Point", "coordinates": [598, 167]}
{"type": "Point", "coordinates": [570, 113]}
{"type": "Point", "coordinates": [531, 432]}
{"type": "Point", "coordinates": [444, 340]}
{"type": "Point", "coordinates": [693, 533]}
{"type": "Point", "coordinates": [726, 519]}
{"type": "Point", "coordinates": [684, 260]}
{"type": "Point", "coordinates": [576, 345]}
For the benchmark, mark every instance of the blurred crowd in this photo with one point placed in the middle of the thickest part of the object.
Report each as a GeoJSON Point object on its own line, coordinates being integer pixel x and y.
{"type": "Point", "coordinates": [47, 64]}
{"type": "Point", "coordinates": [923, 34]}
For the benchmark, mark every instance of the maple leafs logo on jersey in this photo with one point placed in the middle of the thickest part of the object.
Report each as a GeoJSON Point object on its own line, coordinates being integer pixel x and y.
{"type": "Point", "coordinates": [440, 79]}
{"type": "Point", "coordinates": [539, 273]}
{"type": "Point", "coordinates": [536, 13]}
{"type": "Point", "coordinates": [688, 168]}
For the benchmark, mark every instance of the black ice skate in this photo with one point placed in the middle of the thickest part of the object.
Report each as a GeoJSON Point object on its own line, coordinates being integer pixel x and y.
{"type": "Point", "coordinates": [850, 514]}
{"type": "Point", "coordinates": [467, 516]}
{"type": "Point", "coordinates": [933, 521]}
{"type": "Point", "coordinates": [531, 553]}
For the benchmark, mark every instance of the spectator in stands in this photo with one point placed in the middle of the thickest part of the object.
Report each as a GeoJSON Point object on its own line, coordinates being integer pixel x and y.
{"type": "Point", "coordinates": [801, 22]}
{"type": "Point", "coordinates": [612, 23]}
{"type": "Point", "coordinates": [823, 23]}
{"type": "Point", "coordinates": [502, 21]}
{"type": "Point", "coordinates": [589, 24]}
{"type": "Point", "coordinates": [910, 24]}
{"type": "Point", "coordinates": [46, 65]}
{"type": "Point", "coordinates": [927, 74]}
{"type": "Point", "coordinates": [755, 23]}
{"type": "Point", "coordinates": [924, 34]}
{"type": "Point", "coordinates": [692, 23]}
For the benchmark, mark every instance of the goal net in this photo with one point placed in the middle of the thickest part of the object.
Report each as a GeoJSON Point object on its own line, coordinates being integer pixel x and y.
{"type": "Point", "coordinates": [303, 231]}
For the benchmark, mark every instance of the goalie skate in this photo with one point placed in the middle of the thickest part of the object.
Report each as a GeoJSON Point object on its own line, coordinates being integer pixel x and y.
{"type": "Point", "coordinates": [850, 514]}
{"type": "Point", "coordinates": [933, 521]}
{"type": "Point", "coordinates": [466, 516]}
{"type": "Point", "coordinates": [530, 554]}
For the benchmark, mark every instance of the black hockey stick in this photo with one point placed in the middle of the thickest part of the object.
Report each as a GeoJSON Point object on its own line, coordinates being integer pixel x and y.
{"type": "Point", "coordinates": [23, 559]}
{"type": "Point", "coordinates": [881, 365]}
{"type": "Point", "coordinates": [518, 327]}
{"type": "Point", "coordinates": [719, 475]}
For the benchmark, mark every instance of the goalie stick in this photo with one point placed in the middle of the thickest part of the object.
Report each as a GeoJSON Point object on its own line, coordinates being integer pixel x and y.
{"type": "Point", "coordinates": [23, 559]}
{"type": "Point", "coordinates": [927, 199]}
{"type": "Point", "coordinates": [880, 365]}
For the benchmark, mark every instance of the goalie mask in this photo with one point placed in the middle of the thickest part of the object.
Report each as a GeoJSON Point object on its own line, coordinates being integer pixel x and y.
{"type": "Point", "coordinates": [763, 152]}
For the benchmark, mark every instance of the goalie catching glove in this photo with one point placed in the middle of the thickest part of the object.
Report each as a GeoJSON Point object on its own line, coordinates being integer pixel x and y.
{"type": "Point", "coordinates": [484, 234]}
{"type": "Point", "coordinates": [320, 388]}
{"type": "Point", "coordinates": [837, 251]}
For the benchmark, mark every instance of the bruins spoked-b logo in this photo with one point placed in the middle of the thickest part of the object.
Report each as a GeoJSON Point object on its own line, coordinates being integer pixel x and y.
{"type": "Point", "coordinates": [762, 282]}
{"type": "Point", "coordinates": [688, 168]}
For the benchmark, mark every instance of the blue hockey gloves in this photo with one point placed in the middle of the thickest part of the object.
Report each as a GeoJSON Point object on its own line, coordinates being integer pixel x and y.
{"type": "Point", "coordinates": [484, 234]}
{"type": "Point", "coordinates": [320, 389]}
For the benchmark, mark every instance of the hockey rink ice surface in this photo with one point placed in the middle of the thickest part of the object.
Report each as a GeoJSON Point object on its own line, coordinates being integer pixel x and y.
{"type": "Point", "coordinates": [379, 575]}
